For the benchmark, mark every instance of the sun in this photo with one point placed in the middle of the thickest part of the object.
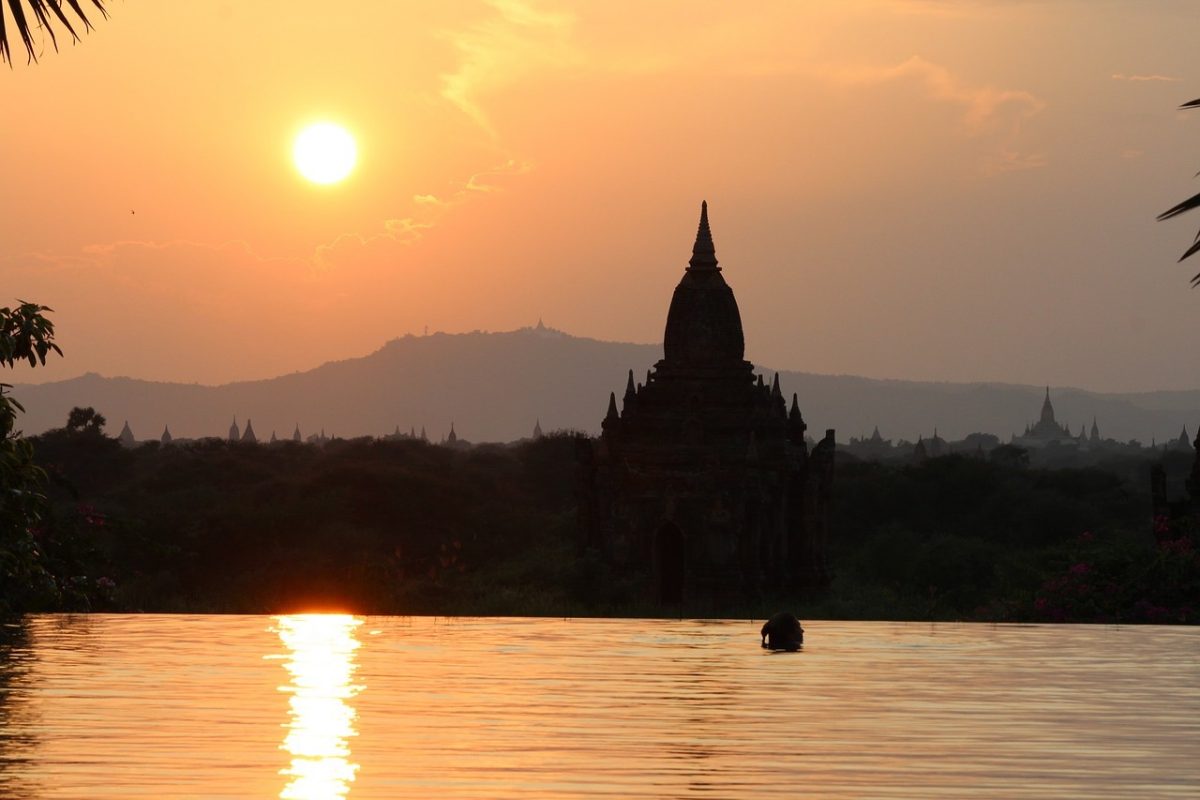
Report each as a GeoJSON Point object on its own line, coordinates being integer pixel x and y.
{"type": "Point", "coordinates": [324, 152]}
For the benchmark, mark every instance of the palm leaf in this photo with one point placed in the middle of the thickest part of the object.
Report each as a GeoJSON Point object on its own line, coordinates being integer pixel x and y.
{"type": "Point", "coordinates": [44, 14]}
{"type": "Point", "coordinates": [1191, 203]}
{"type": "Point", "coordinates": [1185, 206]}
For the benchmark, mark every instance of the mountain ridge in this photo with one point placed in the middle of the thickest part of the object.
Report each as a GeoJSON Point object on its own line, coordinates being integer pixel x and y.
{"type": "Point", "coordinates": [495, 386]}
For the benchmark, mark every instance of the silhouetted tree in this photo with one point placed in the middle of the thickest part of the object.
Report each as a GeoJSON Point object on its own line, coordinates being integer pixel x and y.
{"type": "Point", "coordinates": [45, 14]}
{"type": "Point", "coordinates": [85, 420]}
{"type": "Point", "coordinates": [1187, 205]}
{"type": "Point", "coordinates": [1011, 456]}
{"type": "Point", "coordinates": [25, 335]}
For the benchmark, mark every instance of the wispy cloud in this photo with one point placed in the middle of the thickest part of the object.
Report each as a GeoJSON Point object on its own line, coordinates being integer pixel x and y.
{"type": "Point", "coordinates": [1011, 161]}
{"type": "Point", "coordinates": [499, 51]}
{"type": "Point", "coordinates": [982, 105]}
{"type": "Point", "coordinates": [427, 210]}
{"type": "Point", "coordinates": [999, 113]}
{"type": "Point", "coordinates": [1119, 76]}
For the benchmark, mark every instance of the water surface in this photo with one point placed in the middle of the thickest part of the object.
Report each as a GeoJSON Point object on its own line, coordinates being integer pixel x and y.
{"type": "Point", "coordinates": [327, 706]}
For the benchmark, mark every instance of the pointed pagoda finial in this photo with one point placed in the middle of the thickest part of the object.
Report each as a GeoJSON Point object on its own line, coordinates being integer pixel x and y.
{"type": "Point", "coordinates": [630, 389]}
{"type": "Point", "coordinates": [775, 388]}
{"type": "Point", "coordinates": [612, 407]}
{"type": "Point", "coordinates": [613, 417]}
{"type": "Point", "coordinates": [704, 254]}
{"type": "Point", "coordinates": [796, 420]}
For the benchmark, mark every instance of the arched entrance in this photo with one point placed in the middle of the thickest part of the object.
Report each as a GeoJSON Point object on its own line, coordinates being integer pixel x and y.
{"type": "Point", "coordinates": [669, 563]}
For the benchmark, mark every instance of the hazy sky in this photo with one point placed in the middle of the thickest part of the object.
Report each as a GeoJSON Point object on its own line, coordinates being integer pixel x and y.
{"type": "Point", "coordinates": [911, 189]}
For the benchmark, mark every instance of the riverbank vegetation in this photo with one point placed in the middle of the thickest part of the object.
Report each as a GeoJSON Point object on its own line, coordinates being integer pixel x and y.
{"type": "Point", "coordinates": [412, 528]}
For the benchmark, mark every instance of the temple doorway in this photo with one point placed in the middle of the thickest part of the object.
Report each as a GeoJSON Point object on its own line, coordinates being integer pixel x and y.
{"type": "Point", "coordinates": [669, 558]}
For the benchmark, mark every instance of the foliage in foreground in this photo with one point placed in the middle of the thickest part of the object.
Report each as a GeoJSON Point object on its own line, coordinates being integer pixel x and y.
{"type": "Point", "coordinates": [29, 16]}
{"type": "Point", "coordinates": [26, 336]}
{"type": "Point", "coordinates": [407, 527]}
{"type": "Point", "coordinates": [1190, 204]}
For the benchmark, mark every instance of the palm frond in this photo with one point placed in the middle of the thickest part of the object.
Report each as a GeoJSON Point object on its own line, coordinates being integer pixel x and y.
{"type": "Point", "coordinates": [44, 14]}
{"type": "Point", "coordinates": [1185, 206]}
{"type": "Point", "coordinates": [1190, 204]}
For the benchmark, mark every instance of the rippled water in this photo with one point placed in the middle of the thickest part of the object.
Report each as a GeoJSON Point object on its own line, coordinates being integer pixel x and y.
{"type": "Point", "coordinates": [327, 706]}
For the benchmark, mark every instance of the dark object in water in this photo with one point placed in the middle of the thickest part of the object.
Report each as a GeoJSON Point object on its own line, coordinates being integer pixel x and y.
{"type": "Point", "coordinates": [782, 632]}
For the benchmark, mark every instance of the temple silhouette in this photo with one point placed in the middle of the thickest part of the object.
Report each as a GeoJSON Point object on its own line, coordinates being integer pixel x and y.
{"type": "Point", "coordinates": [702, 483]}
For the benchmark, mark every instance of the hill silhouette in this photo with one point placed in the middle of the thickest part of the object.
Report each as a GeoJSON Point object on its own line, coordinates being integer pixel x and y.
{"type": "Point", "coordinates": [495, 386]}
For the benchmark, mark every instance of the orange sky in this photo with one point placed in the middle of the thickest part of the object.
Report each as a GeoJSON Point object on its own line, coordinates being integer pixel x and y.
{"type": "Point", "coordinates": [904, 188]}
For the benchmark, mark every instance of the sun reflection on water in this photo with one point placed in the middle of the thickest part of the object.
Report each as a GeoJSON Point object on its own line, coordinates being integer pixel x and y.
{"type": "Point", "coordinates": [322, 721]}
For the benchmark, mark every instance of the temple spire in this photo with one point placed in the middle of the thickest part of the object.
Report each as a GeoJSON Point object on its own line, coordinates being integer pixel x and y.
{"type": "Point", "coordinates": [796, 421]}
{"type": "Point", "coordinates": [1047, 408]}
{"type": "Point", "coordinates": [704, 254]}
{"type": "Point", "coordinates": [613, 417]}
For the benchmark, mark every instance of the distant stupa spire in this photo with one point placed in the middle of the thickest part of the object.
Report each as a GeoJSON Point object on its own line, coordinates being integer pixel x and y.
{"type": "Point", "coordinates": [796, 424]}
{"type": "Point", "coordinates": [704, 254]}
{"type": "Point", "coordinates": [613, 417]}
{"type": "Point", "coordinates": [1047, 408]}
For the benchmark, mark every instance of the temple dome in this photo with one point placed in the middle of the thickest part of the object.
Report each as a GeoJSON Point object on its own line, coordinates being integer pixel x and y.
{"type": "Point", "coordinates": [704, 327]}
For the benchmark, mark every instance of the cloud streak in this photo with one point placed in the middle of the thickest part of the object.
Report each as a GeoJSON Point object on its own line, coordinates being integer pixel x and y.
{"type": "Point", "coordinates": [1118, 76]}
{"type": "Point", "coordinates": [501, 50]}
{"type": "Point", "coordinates": [985, 109]}
{"type": "Point", "coordinates": [427, 211]}
{"type": "Point", "coordinates": [982, 105]}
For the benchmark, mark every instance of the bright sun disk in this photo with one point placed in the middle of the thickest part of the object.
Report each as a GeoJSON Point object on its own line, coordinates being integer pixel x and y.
{"type": "Point", "coordinates": [324, 152]}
